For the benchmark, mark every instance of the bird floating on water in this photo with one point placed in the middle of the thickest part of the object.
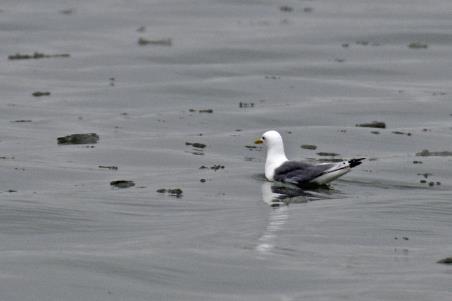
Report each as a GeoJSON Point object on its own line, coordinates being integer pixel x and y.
{"type": "Point", "coordinates": [279, 168]}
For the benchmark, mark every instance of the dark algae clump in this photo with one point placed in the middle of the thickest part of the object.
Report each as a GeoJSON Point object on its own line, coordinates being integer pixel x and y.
{"type": "Point", "coordinates": [417, 45]}
{"type": "Point", "coordinates": [427, 153]}
{"type": "Point", "coordinates": [108, 167]}
{"type": "Point", "coordinates": [196, 144]}
{"type": "Point", "coordinates": [159, 42]}
{"type": "Point", "coordinates": [246, 105]}
{"type": "Point", "coordinates": [286, 8]}
{"type": "Point", "coordinates": [177, 192]}
{"type": "Point", "coordinates": [122, 183]}
{"type": "Point", "coordinates": [325, 154]}
{"type": "Point", "coordinates": [213, 167]}
{"type": "Point", "coordinates": [209, 111]}
{"type": "Point", "coordinates": [447, 260]}
{"type": "Point", "coordinates": [401, 133]}
{"type": "Point", "coordinates": [373, 124]}
{"type": "Point", "coordinates": [36, 55]}
{"type": "Point", "coordinates": [90, 138]}
{"type": "Point", "coordinates": [309, 146]}
{"type": "Point", "coordinates": [39, 94]}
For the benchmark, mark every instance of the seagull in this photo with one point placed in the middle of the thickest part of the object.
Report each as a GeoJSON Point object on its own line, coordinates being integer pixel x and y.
{"type": "Point", "coordinates": [279, 168]}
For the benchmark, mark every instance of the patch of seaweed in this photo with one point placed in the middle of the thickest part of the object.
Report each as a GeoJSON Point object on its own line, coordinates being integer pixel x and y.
{"type": "Point", "coordinates": [36, 55]}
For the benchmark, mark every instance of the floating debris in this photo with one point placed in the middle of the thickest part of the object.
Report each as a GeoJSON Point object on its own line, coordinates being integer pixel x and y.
{"type": "Point", "coordinates": [447, 260]}
{"type": "Point", "coordinates": [202, 180]}
{"type": "Point", "coordinates": [90, 138]}
{"type": "Point", "coordinates": [418, 45]}
{"type": "Point", "coordinates": [177, 192]}
{"type": "Point", "coordinates": [197, 148]}
{"type": "Point", "coordinates": [375, 132]}
{"type": "Point", "coordinates": [286, 8]}
{"type": "Point", "coordinates": [122, 183]}
{"type": "Point", "coordinates": [108, 167]}
{"type": "Point", "coordinates": [196, 144]}
{"type": "Point", "coordinates": [158, 42]}
{"type": "Point", "coordinates": [309, 146]}
{"type": "Point", "coordinates": [213, 167]}
{"type": "Point", "coordinates": [36, 55]}
{"type": "Point", "coordinates": [217, 167]}
{"type": "Point", "coordinates": [417, 162]}
{"type": "Point", "coordinates": [431, 183]}
{"type": "Point", "coordinates": [325, 154]}
{"type": "Point", "coordinates": [401, 133]}
{"type": "Point", "coordinates": [272, 77]}
{"type": "Point", "coordinates": [425, 175]}
{"type": "Point", "coordinates": [308, 9]}
{"type": "Point", "coordinates": [373, 124]}
{"type": "Point", "coordinates": [246, 104]}
{"type": "Point", "coordinates": [427, 153]}
{"type": "Point", "coordinates": [39, 94]}
{"type": "Point", "coordinates": [345, 45]}
{"type": "Point", "coordinates": [209, 111]}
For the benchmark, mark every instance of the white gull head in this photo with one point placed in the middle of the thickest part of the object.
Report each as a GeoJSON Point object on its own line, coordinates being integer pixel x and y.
{"type": "Point", "coordinates": [275, 152]}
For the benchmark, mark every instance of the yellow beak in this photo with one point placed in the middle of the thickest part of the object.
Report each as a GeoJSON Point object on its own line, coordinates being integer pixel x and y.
{"type": "Point", "coordinates": [258, 141]}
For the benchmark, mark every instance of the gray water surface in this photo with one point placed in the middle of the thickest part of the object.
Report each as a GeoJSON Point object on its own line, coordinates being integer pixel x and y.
{"type": "Point", "coordinates": [312, 73]}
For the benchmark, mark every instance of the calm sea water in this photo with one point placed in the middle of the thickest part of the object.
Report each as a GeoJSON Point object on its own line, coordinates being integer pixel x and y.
{"type": "Point", "coordinates": [310, 69]}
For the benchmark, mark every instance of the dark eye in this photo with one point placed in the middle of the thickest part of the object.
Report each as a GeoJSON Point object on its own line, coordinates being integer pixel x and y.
{"type": "Point", "coordinates": [263, 138]}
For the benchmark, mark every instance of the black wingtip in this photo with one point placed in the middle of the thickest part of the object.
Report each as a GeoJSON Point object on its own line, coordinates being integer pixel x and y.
{"type": "Point", "coordinates": [355, 162]}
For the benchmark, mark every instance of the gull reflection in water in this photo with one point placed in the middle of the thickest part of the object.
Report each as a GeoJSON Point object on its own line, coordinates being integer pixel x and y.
{"type": "Point", "coordinates": [279, 196]}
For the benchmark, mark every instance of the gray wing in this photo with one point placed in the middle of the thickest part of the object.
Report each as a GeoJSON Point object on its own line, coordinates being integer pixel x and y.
{"type": "Point", "coordinates": [299, 173]}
